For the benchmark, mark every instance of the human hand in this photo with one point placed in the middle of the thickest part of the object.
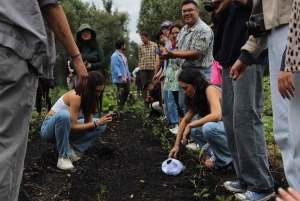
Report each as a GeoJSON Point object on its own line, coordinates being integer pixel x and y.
{"type": "Point", "coordinates": [201, 154]}
{"type": "Point", "coordinates": [174, 151]}
{"type": "Point", "coordinates": [123, 80]}
{"type": "Point", "coordinates": [167, 54]}
{"type": "Point", "coordinates": [289, 195]}
{"type": "Point", "coordinates": [87, 65]}
{"type": "Point", "coordinates": [71, 75]}
{"type": "Point", "coordinates": [162, 48]}
{"type": "Point", "coordinates": [155, 78]}
{"type": "Point", "coordinates": [51, 84]}
{"type": "Point", "coordinates": [105, 119]}
{"type": "Point", "coordinates": [82, 75]}
{"type": "Point", "coordinates": [221, 6]}
{"type": "Point", "coordinates": [238, 70]}
{"type": "Point", "coordinates": [286, 85]}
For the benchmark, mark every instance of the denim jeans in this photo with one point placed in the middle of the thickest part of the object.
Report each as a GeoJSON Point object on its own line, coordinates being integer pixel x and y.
{"type": "Point", "coordinates": [214, 134]}
{"type": "Point", "coordinates": [56, 129]}
{"type": "Point", "coordinates": [171, 107]}
{"type": "Point", "coordinates": [276, 45]}
{"type": "Point", "coordinates": [242, 105]}
{"type": "Point", "coordinates": [207, 74]}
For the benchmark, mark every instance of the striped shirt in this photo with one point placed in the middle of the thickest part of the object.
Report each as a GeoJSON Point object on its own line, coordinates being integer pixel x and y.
{"type": "Point", "coordinates": [147, 56]}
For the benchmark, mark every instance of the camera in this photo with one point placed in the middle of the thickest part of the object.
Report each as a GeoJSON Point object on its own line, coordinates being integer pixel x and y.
{"type": "Point", "coordinates": [210, 6]}
{"type": "Point", "coordinates": [256, 26]}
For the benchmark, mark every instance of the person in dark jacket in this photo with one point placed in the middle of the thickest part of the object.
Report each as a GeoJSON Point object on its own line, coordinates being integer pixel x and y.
{"type": "Point", "coordinates": [242, 103]}
{"type": "Point", "coordinates": [91, 52]}
{"type": "Point", "coordinates": [154, 98]}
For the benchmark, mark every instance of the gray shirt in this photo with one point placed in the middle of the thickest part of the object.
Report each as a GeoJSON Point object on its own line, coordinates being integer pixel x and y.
{"type": "Point", "coordinates": [23, 30]}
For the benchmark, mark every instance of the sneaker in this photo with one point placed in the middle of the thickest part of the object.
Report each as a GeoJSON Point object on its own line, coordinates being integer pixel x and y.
{"type": "Point", "coordinates": [75, 155]}
{"type": "Point", "coordinates": [64, 163]}
{"type": "Point", "coordinates": [193, 146]}
{"type": "Point", "coordinates": [174, 130]}
{"type": "Point", "coordinates": [253, 196]}
{"type": "Point", "coordinates": [236, 187]}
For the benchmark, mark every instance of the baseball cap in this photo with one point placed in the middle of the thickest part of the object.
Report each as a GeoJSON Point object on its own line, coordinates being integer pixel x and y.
{"type": "Point", "coordinates": [172, 166]}
{"type": "Point", "coordinates": [166, 24]}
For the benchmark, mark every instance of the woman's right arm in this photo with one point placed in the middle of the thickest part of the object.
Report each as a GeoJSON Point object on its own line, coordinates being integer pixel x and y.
{"type": "Point", "coordinates": [88, 125]}
{"type": "Point", "coordinates": [157, 63]}
{"type": "Point", "coordinates": [185, 121]}
{"type": "Point", "coordinates": [56, 19]}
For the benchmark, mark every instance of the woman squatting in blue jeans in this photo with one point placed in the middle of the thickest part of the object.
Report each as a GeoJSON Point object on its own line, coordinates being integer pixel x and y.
{"type": "Point", "coordinates": [72, 135]}
{"type": "Point", "coordinates": [205, 100]}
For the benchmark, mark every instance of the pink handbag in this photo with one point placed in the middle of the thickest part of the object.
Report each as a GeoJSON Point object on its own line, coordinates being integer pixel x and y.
{"type": "Point", "coordinates": [216, 70]}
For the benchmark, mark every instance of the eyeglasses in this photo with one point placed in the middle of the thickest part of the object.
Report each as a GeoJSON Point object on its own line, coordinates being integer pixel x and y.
{"type": "Point", "coordinates": [190, 10]}
{"type": "Point", "coordinates": [86, 32]}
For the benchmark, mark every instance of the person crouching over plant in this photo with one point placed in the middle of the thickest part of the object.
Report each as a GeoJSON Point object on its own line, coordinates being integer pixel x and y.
{"type": "Point", "coordinates": [208, 131]}
{"type": "Point", "coordinates": [72, 135]}
{"type": "Point", "coordinates": [154, 98]}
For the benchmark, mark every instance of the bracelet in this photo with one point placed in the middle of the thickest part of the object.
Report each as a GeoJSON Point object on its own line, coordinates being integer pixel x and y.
{"type": "Point", "coordinates": [75, 56]}
{"type": "Point", "coordinates": [95, 125]}
{"type": "Point", "coordinates": [176, 144]}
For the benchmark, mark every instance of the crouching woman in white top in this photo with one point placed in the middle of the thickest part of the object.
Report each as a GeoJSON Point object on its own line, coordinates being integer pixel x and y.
{"type": "Point", "coordinates": [72, 135]}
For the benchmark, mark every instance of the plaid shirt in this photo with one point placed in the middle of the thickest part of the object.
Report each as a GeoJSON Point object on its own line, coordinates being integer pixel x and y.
{"type": "Point", "coordinates": [147, 56]}
{"type": "Point", "coordinates": [199, 39]}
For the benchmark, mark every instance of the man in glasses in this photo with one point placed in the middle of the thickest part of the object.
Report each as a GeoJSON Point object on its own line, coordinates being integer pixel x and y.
{"type": "Point", "coordinates": [194, 44]}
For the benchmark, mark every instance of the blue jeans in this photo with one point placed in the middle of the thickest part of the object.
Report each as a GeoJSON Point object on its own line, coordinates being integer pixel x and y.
{"type": "Point", "coordinates": [242, 105]}
{"type": "Point", "coordinates": [171, 107]}
{"type": "Point", "coordinates": [56, 129]}
{"type": "Point", "coordinates": [214, 134]}
{"type": "Point", "coordinates": [207, 74]}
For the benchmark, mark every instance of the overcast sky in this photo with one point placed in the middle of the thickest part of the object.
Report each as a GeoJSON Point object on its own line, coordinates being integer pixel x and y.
{"type": "Point", "coordinates": [133, 9]}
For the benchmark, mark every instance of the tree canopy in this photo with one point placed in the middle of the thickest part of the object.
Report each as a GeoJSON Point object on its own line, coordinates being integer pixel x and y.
{"type": "Point", "coordinates": [111, 24]}
{"type": "Point", "coordinates": [154, 12]}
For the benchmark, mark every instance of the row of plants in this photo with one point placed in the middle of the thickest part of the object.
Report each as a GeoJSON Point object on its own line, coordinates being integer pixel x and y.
{"type": "Point", "coordinates": [160, 131]}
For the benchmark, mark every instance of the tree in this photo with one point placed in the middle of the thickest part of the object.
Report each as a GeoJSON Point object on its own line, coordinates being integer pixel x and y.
{"type": "Point", "coordinates": [109, 26]}
{"type": "Point", "coordinates": [154, 12]}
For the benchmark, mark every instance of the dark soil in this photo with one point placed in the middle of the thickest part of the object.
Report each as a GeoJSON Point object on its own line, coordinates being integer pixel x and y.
{"type": "Point", "coordinates": [126, 159]}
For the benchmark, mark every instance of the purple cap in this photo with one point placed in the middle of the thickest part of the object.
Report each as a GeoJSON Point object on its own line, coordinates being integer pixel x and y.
{"type": "Point", "coordinates": [166, 24]}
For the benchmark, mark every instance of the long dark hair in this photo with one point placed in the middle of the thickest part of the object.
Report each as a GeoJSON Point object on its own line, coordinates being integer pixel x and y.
{"type": "Point", "coordinates": [92, 43]}
{"type": "Point", "coordinates": [89, 101]}
{"type": "Point", "coordinates": [198, 103]}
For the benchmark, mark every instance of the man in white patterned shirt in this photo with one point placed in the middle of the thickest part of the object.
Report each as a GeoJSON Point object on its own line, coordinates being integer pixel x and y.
{"type": "Point", "coordinates": [194, 44]}
{"type": "Point", "coordinates": [146, 53]}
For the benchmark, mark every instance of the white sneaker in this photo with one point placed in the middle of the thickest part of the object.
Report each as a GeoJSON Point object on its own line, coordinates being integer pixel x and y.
{"type": "Point", "coordinates": [192, 146]}
{"type": "Point", "coordinates": [64, 163]}
{"type": "Point", "coordinates": [174, 130]}
{"type": "Point", "coordinates": [74, 155]}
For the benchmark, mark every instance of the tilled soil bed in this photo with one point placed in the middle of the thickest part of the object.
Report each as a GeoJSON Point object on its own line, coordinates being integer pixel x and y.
{"type": "Point", "coordinates": [126, 160]}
